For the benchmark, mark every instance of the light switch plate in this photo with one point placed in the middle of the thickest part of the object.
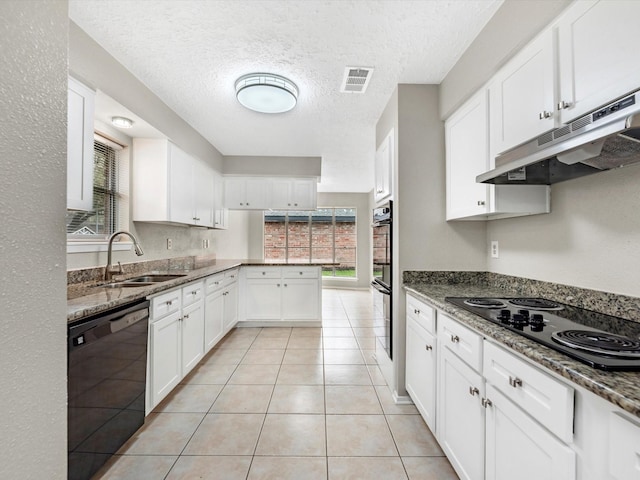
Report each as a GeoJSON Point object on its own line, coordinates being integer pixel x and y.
{"type": "Point", "coordinates": [495, 251]}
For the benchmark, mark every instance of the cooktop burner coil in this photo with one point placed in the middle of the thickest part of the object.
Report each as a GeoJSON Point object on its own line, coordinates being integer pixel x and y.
{"type": "Point", "coordinates": [599, 342]}
{"type": "Point", "coordinates": [535, 303]}
{"type": "Point", "coordinates": [485, 303]}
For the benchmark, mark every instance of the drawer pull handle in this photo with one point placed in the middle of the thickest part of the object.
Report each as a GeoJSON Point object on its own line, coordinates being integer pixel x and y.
{"type": "Point", "coordinates": [195, 292]}
{"type": "Point", "coordinates": [455, 338]}
{"type": "Point", "coordinates": [486, 402]}
{"type": "Point", "coordinates": [300, 273]}
{"type": "Point", "coordinates": [416, 311]}
{"type": "Point", "coordinates": [278, 285]}
{"type": "Point", "coordinates": [515, 382]}
{"type": "Point", "coordinates": [185, 317]}
{"type": "Point", "coordinates": [428, 347]}
{"type": "Point", "coordinates": [169, 303]}
{"type": "Point", "coordinates": [264, 273]}
{"type": "Point", "coordinates": [544, 114]}
{"type": "Point", "coordinates": [473, 391]}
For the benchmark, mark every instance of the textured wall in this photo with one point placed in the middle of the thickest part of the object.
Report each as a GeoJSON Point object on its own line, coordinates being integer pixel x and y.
{"type": "Point", "coordinates": [33, 96]}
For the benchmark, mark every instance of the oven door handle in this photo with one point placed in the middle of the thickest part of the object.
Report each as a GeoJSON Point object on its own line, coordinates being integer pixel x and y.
{"type": "Point", "coordinates": [380, 288]}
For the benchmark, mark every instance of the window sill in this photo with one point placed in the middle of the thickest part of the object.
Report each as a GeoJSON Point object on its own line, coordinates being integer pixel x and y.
{"type": "Point", "coordinates": [88, 246]}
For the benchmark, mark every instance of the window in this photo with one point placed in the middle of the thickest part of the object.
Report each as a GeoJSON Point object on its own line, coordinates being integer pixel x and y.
{"type": "Point", "coordinates": [325, 235]}
{"type": "Point", "coordinates": [102, 221]}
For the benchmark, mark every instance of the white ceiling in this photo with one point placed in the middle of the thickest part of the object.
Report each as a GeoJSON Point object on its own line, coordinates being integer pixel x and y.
{"type": "Point", "coordinates": [190, 52]}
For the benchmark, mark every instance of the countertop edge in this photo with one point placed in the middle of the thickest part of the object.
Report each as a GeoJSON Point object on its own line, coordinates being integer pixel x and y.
{"type": "Point", "coordinates": [100, 299]}
{"type": "Point", "coordinates": [606, 385]}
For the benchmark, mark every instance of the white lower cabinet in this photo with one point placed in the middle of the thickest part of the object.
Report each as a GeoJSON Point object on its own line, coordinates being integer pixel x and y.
{"type": "Point", "coordinates": [230, 295]}
{"type": "Point", "coordinates": [460, 427]}
{"type": "Point", "coordinates": [519, 447]}
{"type": "Point", "coordinates": [164, 356]}
{"type": "Point", "coordinates": [420, 375]}
{"type": "Point", "coordinates": [624, 447]}
{"type": "Point", "coordinates": [281, 294]}
{"type": "Point", "coordinates": [498, 416]}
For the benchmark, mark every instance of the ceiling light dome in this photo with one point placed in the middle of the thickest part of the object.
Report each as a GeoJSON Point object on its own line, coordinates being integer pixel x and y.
{"type": "Point", "coordinates": [122, 122]}
{"type": "Point", "coordinates": [266, 92]}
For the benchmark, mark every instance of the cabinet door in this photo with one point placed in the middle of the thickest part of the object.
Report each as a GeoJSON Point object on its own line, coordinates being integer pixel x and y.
{"type": "Point", "coordinates": [230, 317]}
{"type": "Point", "coordinates": [598, 51]}
{"type": "Point", "coordinates": [304, 194]}
{"type": "Point", "coordinates": [263, 299]}
{"type": "Point", "coordinates": [467, 147]}
{"type": "Point", "coordinates": [518, 447]}
{"type": "Point", "coordinates": [522, 101]}
{"type": "Point", "coordinates": [165, 357]}
{"type": "Point", "coordinates": [180, 186]}
{"type": "Point", "coordinates": [234, 193]}
{"type": "Point", "coordinates": [384, 168]}
{"type": "Point", "coordinates": [220, 211]}
{"type": "Point", "coordinates": [213, 318]}
{"type": "Point", "coordinates": [421, 371]}
{"type": "Point", "coordinates": [203, 194]}
{"type": "Point", "coordinates": [624, 447]}
{"type": "Point", "coordinates": [281, 193]}
{"type": "Point", "coordinates": [192, 336]}
{"type": "Point", "coordinates": [460, 427]}
{"type": "Point", "coordinates": [300, 299]}
{"type": "Point", "coordinates": [80, 108]}
{"type": "Point", "coordinates": [257, 193]}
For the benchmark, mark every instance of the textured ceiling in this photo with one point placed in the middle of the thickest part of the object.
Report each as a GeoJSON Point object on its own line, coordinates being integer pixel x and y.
{"type": "Point", "coordinates": [190, 52]}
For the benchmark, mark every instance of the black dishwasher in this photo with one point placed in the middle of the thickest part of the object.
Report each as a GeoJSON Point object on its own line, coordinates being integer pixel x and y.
{"type": "Point", "coordinates": [107, 366]}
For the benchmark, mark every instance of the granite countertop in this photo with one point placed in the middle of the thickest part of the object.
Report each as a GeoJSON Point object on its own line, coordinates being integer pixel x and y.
{"type": "Point", "coordinates": [88, 298]}
{"type": "Point", "coordinates": [620, 388]}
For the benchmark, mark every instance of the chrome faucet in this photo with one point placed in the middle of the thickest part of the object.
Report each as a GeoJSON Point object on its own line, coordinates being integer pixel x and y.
{"type": "Point", "coordinates": [109, 269]}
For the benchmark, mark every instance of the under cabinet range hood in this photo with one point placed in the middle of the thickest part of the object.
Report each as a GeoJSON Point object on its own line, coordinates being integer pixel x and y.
{"type": "Point", "coordinates": [602, 140]}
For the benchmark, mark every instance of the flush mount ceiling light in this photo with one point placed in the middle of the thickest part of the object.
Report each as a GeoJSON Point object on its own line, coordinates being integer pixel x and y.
{"type": "Point", "coordinates": [266, 92]}
{"type": "Point", "coordinates": [122, 122]}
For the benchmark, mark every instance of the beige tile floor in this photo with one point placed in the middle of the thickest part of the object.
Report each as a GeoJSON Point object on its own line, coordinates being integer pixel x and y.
{"type": "Point", "coordinates": [287, 403]}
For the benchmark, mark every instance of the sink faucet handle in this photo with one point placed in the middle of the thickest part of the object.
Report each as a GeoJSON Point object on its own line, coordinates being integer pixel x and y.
{"type": "Point", "coordinates": [120, 271]}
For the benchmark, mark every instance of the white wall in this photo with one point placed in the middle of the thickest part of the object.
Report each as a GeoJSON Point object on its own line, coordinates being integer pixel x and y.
{"type": "Point", "coordinates": [422, 239]}
{"type": "Point", "coordinates": [33, 330]}
{"type": "Point", "coordinates": [591, 239]}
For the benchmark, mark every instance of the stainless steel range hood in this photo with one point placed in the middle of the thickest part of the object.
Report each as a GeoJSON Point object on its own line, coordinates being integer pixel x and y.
{"type": "Point", "coordinates": [604, 139]}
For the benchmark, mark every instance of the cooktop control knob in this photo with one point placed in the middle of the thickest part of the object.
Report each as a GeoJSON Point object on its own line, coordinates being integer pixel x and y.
{"type": "Point", "coordinates": [518, 320]}
{"type": "Point", "coordinates": [536, 322]}
{"type": "Point", "coordinates": [524, 313]}
{"type": "Point", "coordinates": [505, 316]}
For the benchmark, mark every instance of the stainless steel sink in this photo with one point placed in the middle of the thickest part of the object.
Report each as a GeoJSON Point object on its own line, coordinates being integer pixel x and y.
{"type": "Point", "coordinates": [155, 278]}
{"type": "Point", "coordinates": [144, 280]}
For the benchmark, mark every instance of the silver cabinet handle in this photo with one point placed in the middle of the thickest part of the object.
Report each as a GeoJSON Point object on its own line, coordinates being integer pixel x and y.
{"type": "Point", "coordinates": [194, 293]}
{"type": "Point", "coordinates": [480, 203]}
{"type": "Point", "coordinates": [473, 391]}
{"type": "Point", "coordinates": [455, 338]}
{"type": "Point", "coordinates": [264, 273]}
{"type": "Point", "coordinates": [185, 317]}
{"type": "Point", "coordinates": [428, 347]}
{"type": "Point", "coordinates": [416, 311]}
{"type": "Point", "coordinates": [562, 105]}
{"type": "Point", "coordinates": [278, 284]}
{"type": "Point", "coordinates": [300, 273]}
{"type": "Point", "coordinates": [285, 284]}
{"type": "Point", "coordinates": [379, 190]}
{"type": "Point", "coordinates": [515, 382]}
{"type": "Point", "coordinates": [241, 204]}
{"type": "Point", "coordinates": [545, 114]}
{"type": "Point", "coordinates": [486, 402]}
{"type": "Point", "coordinates": [169, 303]}
{"type": "Point", "coordinates": [247, 204]}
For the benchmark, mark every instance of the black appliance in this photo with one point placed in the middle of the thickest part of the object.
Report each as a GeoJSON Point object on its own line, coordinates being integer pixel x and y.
{"type": "Point", "coordinates": [382, 268]}
{"type": "Point", "coordinates": [107, 365]}
{"type": "Point", "coordinates": [599, 340]}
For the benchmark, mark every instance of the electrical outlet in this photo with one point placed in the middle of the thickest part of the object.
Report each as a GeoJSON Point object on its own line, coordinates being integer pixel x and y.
{"type": "Point", "coordinates": [495, 250]}
{"type": "Point", "coordinates": [169, 244]}
{"type": "Point", "coordinates": [205, 243]}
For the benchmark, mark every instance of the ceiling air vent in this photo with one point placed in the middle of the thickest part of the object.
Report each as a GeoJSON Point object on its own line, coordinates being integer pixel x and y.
{"type": "Point", "coordinates": [356, 79]}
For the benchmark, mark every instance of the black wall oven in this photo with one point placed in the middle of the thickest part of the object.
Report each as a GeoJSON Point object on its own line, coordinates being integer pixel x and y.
{"type": "Point", "coordinates": [382, 269]}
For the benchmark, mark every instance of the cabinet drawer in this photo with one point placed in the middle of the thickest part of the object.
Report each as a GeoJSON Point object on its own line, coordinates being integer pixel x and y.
{"type": "Point", "coordinates": [465, 343]}
{"type": "Point", "coordinates": [166, 303]}
{"type": "Point", "coordinates": [300, 272]}
{"type": "Point", "coordinates": [264, 272]}
{"type": "Point", "coordinates": [231, 276]}
{"type": "Point", "coordinates": [547, 400]}
{"type": "Point", "coordinates": [214, 283]}
{"type": "Point", "coordinates": [422, 313]}
{"type": "Point", "coordinates": [192, 293]}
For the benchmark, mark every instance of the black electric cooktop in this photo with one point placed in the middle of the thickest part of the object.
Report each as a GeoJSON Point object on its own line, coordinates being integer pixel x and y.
{"type": "Point", "coordinates": [601, 341]}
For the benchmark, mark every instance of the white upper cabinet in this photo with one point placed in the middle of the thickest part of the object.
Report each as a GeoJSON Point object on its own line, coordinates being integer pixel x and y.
{"type": "Point", "coordinates": [80, 108]}
{"type": "Point", "coordinates": [598, 54]}
{"type": "Point", "coordinates": [293, 193]}
{"type": "Point", "coordinates": [170, 186]}
{"type": "Point", "coordinates": [522, 95]}
{"type": "Point", "coordinates": [467, 150]}
{"type": "Point", "coordinates": [220, 211]}
{"type": "Point", "coordinates": [384, 169]}
{"type": "Point", "coordinates": [246, 193]}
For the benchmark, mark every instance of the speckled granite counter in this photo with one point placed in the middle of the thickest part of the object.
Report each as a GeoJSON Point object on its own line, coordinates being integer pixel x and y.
{"type": "Point", "coordinates": [620, 388]}
{"type": "Point", "coordinates": [86, 297]}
